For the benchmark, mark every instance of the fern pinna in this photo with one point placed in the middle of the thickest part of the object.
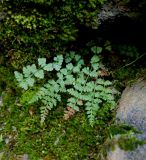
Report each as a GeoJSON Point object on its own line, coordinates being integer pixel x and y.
{"type": "Point", "coordinates": [83, 84]}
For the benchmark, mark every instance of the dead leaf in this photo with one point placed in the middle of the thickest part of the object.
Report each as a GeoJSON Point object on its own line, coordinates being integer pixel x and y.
{"type": "Point", "coordinates": [31, 111]}
{"type": "Point", "coordinates": [22, 157]}
{"type": "Point", "coordinates": [104, 72]}
{"type": "Point", "coordinates": [68, 113]}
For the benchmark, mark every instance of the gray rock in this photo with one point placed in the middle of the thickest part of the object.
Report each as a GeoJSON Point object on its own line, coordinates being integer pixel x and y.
{"type": "Point", "coordinates": [110, 11]}
{"type": "Point", "coordinates": [1, 102]}
{"type": "Point", "coordinates": [117, 154]}
{"type": "Point", "coordinates": [132, 111]}
{"type": "Point", "coordinates": [1, 98]}
{"type": "Point", "coordinates": [132, 106]}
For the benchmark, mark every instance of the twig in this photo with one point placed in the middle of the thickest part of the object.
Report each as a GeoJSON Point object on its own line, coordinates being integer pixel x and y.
{"type": "Point", "coordinates": [132, 61]}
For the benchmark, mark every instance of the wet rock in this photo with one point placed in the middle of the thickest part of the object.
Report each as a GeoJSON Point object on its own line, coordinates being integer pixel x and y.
{"type": "Point", "coordinates": [132, 111]}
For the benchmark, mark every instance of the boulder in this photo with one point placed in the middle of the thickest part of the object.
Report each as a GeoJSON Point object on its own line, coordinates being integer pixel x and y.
{"type": "Point", "coordinates": [132, 111]}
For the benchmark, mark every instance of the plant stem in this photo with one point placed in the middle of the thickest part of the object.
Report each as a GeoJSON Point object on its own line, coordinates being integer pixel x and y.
{"type": "Point", "coordinates": [132, 61]}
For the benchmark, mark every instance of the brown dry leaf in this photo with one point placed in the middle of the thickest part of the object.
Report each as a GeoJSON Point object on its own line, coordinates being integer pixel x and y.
{"type": "Point", "coordinates": [104, 72]}
{"type": "Point", "coordinates": [68, 113]}
{"type": "Point", "coordinates": [22, 157]}
{"type": "Point", "coordinates": [31, 111]}
{"type": "Point", "coordinates": [50, 157]}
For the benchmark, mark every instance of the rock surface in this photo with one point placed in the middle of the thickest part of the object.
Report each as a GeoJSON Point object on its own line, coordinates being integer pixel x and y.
{"type": "Point", "coordinates": [132, 111]}
{"type": "Point", "coordinates": [1, 103]}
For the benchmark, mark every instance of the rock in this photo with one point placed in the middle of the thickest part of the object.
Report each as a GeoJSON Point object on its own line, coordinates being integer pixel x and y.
{"type": "Point", "coordinates": [110, 12]}
{"type": "Point", "coordinates": [132, 106]}
{"type": "Point", "coordinates": [1, 103]}
{"type": "Point", "coordinates": [1, 98]}
{"type": "Point", "coordinates": [117, 154]}
{"type": "Point", "coordinates": [132, 111]}
{"type": "Point", "coordinates": [22, 157]}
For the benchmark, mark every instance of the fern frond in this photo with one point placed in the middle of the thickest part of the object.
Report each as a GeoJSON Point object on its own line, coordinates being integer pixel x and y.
{"type": "Point", "coordinates": [48, 67]}
{"type": "Point", "coordinates": [39, 74]}
{"type": "Point", "coordinates": [18, 76]}
{"type": "Point", "coordinates": [77, 69]}
{"type": "Point", "coordinates": [72, 102]}
{"type": "Point", "coordinates": [44, 113]}
{"type": "Point", "coordinates": [92, 109]}
{"type": "Point", "coordinates": [80, 82]}
{"type": "Point", "coordinates": [42, 62]}
{"type": "Point", "coordinates": [69, 66]}
{"type": "Point", "coordinates": [24, 85]}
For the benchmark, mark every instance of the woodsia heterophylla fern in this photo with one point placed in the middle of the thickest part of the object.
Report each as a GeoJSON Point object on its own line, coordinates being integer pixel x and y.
{"type": "Point", "coordinates": [81, 82]}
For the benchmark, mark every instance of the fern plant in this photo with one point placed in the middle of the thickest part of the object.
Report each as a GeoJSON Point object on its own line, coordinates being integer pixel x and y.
{"type": "Point", "coordinates": [82, 83]}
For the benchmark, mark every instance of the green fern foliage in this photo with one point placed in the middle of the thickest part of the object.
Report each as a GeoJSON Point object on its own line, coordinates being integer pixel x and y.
{"type": "Point", "coordinates": [82, 83]}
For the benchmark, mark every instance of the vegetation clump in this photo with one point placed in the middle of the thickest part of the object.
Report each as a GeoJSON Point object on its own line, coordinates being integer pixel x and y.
{"type": "Point", "coordinates": [83, 85]}
{"type": "Point", "coordinates": [73, 86]}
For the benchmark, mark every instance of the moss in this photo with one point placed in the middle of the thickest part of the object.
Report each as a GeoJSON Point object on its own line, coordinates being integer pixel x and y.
{"type": "Point", "coordinates": [131, 143]}
{"type": "Point", "coordinates": [57, 139]}
{"type": "Point", "coordinates": [1, 143]}
{"type": "Point", "coordinates": [121, 129]}
{"type": "Point", "coordinates": [6, 78]}
{"type": "Point", "coordinates": [125, 136]}
{"type": "Point", "coordinates": [125, 74]}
